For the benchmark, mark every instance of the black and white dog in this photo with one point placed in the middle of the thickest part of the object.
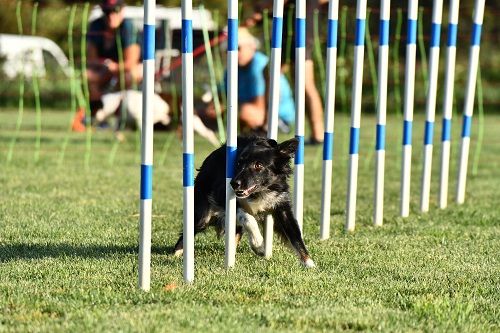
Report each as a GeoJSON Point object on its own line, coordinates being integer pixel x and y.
{"type": "Point", "coordinates": [261, 188]}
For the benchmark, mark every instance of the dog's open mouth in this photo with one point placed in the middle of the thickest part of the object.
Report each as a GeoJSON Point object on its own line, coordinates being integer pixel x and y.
{"type": "Point", "coordinates": [242, 194]}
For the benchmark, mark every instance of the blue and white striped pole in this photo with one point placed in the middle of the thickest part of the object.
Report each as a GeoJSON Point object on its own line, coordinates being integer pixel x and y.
{"type": "Point", "coordinates": [469, 99]}
{"type": "Point", "coordinates": [300, 84]}
{"type": "Point", "coordinates": [383, 69]}
{"type": "Point", "coordinates": [232, 130]}
{"type": "Point", "coordinates": [357, 87]}
{"type": "Point", "coordinates": [274, 99]}
{"type": "Point", "coordinates": [437, 14]}
{"type": "Point", "coordinates": [449, 85]}
{"type": "Point", "coordinates": [331, 64]}
{"type": "Point", "coordinates": [187, 134]}
{"type": "Point", "coordinates": [411, 48]}
{"type": "Point", "coordinates": [147, 146]}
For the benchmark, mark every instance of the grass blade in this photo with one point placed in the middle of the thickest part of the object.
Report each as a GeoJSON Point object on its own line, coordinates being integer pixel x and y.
{"type": "Point", "coordinates": [19, 121]}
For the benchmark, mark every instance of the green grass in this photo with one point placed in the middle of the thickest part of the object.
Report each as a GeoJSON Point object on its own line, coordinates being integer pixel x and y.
{"type": "Point", "coordinates": [69, 240]}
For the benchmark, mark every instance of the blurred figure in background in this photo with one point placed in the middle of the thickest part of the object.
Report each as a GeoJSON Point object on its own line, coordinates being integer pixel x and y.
{"type": "Point", "coordinates": [252, 87]}
{"type": "Point", "coordinates": [103, 61]}
{"type": "Point", "coordinates": [314, 105]}
{"type": "Point", "coordinates": [251, 82]}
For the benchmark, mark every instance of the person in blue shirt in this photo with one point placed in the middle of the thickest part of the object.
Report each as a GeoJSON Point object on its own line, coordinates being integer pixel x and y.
{"type": "Point", "coordinates": [252, 86]}
{"type": "Point", "coordinates": [314, 105]}
{"type": "Point", "coordinates": [103, 62]}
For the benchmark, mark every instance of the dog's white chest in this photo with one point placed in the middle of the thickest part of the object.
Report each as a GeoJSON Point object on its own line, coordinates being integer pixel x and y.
{"type": "Point", "coordinates": [260, 204]}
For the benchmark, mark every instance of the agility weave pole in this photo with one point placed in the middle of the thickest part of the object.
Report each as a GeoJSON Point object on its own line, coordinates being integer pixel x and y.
{"type": "Point", "coordinates": [232, 128]}
{"type": "Point", "coordinates": [300, 83]}
{"type": "Point", "coordinates": [357, 87]}
{"type": "Point", "coordinates": [449, 86]}
{"type": "Point", "coordinates": [188, 155]}
{"type": "Point", "coordinates": [430, 108]}
{"type": "Point", "coordinates": [187, 140]}
{"type": "Point", "coordinates": [147, 146]}
{"type": "Point", "coordinates": [383, 68]}
{"type": "Point", "coordinates": [331, 70]}
{"type": "Point", "coordinates": [411, 50]}
{"type": "Point", "coordinates": [273, 102]}
{"type": "Point", "coordinates": [469, 99]}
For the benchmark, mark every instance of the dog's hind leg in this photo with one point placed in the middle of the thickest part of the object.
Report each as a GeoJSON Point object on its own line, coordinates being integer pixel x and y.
{"type": "Point", "coordinates": [286, 225]}
{"type": "Point", "coordinates": [179, 246]}
{"type": "Point", "coordinates": [251, 226]}
{"type": "Point", "coordinates": [201, 223]}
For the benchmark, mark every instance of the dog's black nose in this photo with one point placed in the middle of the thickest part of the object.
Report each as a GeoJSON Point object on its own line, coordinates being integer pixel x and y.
{"type": "Point", "coordinates": [235, 184]}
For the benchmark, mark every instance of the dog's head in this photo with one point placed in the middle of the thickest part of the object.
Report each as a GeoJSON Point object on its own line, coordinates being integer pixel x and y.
{"type": "Point", "coordinates": [263, 164]}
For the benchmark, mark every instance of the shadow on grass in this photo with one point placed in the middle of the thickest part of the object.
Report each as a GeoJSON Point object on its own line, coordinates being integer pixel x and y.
{"type": "Point", "coordinates": [23, 251]}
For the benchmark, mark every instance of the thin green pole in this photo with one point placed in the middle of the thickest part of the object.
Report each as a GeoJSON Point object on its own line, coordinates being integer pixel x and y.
{"type": "Point", "coordinates": [72, 81]}
{"type": "Point", "coordinates": [395, 56]}
{"type": "Point", "coordinates": [374, 78]}
{"type": "Point", "coordinates": [175, 100]}
{"type": "Point", "coordinates": [171, 135]}
{"type": "Point", "coordinates": [342, 61]}
{"type": "Point", "coordinates": [371, 57]}
{"type": "Point", "coordinates": [123, 108]}
{"type": "Point", "coordinates": [21, 89]}
{"type": "Point", "coordinates": [480, 118]}
{"type": "Point", "coordinates": [318, 54]}
{"type": "Point", "coordinates": [421, 47]}
{"type": "Point", "coordinates": [289, 34]}
{"type": "Point", "coordinates": [83, 43]}
{"type": "Point", "coordinates": [137, 130]}
{"type": "Point", "coordinates": [213, 82]}
{"type": "Point", "coordinates": [397, 82]}
{"type": "Point", "coordinates": [240, 10]}
{"type": "Point", "coordinates": [265, 24]}
{"type": "Point", "coordinates": [218, 60]}
{"type": "Point", "coordinates": [166, 147]}
{"type": "Point", "coordinates": [36, 92]}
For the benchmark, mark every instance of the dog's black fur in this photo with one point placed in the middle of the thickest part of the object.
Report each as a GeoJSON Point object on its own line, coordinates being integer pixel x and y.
{"type": "Point", "coordinates": [261, 188]}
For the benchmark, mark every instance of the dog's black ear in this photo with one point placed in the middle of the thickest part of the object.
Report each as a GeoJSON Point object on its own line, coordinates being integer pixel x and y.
{"type": "Point", "coordinates": [264, 142]}
{"type": "Point", "coordinates": [272, 143]}
{"type": "Point", "coordinates": [288, 148]}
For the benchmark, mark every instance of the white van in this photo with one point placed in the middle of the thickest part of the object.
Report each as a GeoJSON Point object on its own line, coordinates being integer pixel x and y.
{"type": "Point", "coordinates": [29, 54]}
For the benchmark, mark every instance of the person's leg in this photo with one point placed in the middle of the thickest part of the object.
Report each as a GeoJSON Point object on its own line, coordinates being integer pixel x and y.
{"type": "Point", "coordinates": [314, 105]}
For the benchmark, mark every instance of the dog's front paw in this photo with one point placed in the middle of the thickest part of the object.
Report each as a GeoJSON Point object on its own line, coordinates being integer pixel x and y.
{"type": "Point", "coordinates": [258, 249]}
{"type": "Point", "coordinates": [178, 253]}
{"type": "Point", "coordinates": [308, 263]}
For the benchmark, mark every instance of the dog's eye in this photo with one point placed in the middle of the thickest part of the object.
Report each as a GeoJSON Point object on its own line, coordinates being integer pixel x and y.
{"type": "Point", "coordinates": [258, 166]}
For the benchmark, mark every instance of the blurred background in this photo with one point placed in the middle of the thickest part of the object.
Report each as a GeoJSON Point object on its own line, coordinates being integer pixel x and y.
{"type": "Point", "coordinates": [53, 21]}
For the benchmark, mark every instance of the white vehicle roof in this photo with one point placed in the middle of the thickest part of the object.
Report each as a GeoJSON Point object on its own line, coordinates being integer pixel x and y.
{"type": "Point", "coordinates": [172, 14]}
{"type": "Point", "coordinates": [25, 54]}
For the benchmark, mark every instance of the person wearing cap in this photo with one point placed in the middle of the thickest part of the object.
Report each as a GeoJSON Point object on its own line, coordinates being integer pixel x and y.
{"type": "Point", "coordinates": [103, 60]}
{"type": "Point", "coordinates": [314, 105]}
{"type": "Point", "coordinates": [252, 86]}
